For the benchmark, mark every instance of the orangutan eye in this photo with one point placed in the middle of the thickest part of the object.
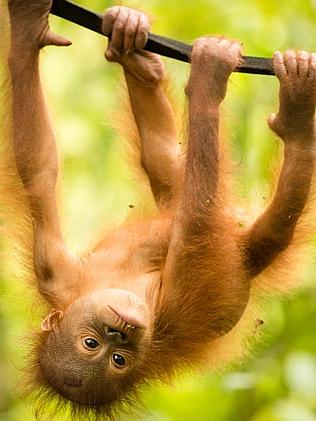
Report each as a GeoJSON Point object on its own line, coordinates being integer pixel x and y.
{"type": "Point", "coordinates": [91, 343]}
{"type": "Point", "coordinates": [118, 360]}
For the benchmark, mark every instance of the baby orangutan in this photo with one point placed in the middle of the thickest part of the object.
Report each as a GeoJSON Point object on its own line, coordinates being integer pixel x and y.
{"type": "Point", "coordinates": [153, 296]}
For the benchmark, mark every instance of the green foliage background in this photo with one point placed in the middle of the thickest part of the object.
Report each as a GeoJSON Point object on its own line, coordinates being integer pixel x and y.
{"type": "Point", "coordinates": [278, 383]}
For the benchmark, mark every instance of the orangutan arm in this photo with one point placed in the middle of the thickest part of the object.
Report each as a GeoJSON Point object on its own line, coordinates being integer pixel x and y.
{"type": "Point", "coordinates": [160, 150]}
{"type": "Point", "coordinates": [33, 139]}
{"type": "Point", "coordinates": [200, 278]}
{"type": "Point", "coordinates": [153, 114]}
{"type": "Point", "coordinates": [274, 230]}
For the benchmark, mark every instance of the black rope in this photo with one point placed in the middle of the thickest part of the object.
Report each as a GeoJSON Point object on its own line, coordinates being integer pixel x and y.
{"type": "Point", "coordinates": [156, 44]}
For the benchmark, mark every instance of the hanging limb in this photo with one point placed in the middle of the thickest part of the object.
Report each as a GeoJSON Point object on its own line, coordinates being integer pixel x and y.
{"type": "Point", "coordinates": [156, 44]}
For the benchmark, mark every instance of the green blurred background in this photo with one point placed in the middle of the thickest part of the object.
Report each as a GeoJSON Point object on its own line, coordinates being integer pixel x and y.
{"type": "Point", "coordinates": [278, 382]}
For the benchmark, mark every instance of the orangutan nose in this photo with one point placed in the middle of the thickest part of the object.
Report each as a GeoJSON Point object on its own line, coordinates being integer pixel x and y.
{"type": "Point", "coordinates": [115, 336]}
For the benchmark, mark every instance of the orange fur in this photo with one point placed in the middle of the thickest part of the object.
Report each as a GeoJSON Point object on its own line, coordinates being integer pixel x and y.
{"type": "Point", "coordinates": [191, 263]}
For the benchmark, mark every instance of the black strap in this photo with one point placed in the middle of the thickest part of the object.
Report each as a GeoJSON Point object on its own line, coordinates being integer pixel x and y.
{"type": "Point", "coordinates": [156, 44]}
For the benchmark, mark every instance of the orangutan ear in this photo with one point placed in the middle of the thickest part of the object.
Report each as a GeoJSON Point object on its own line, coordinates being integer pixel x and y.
{"type": "Point", "coordinates": [51, 320]}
